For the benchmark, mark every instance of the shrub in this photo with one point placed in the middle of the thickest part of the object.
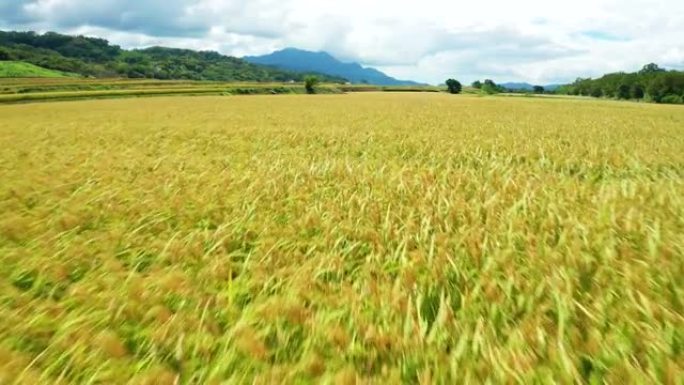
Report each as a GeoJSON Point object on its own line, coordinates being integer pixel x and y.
{"type": "Point", "coordinates": [672, 99]}
{"type": "Point", "coordinates": [4, 55]}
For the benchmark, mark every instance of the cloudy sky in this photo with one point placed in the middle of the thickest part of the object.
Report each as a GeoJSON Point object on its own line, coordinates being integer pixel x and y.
{"type": "Point", "coordinates": [539, 41]}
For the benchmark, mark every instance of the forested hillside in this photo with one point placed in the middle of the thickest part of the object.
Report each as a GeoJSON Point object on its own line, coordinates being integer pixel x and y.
{"type": "Point", "coordinates": [651, 83]}
{"type": "Point", "coordinates": [95, 57]}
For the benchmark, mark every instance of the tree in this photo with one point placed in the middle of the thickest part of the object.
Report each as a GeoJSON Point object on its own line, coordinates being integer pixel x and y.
{"type": "Point", "coordinates": [623, 91]}
{"type": "Point", "coordinates": [650, 68]}
{"type": "Point", "coordinates": [596, 91]}
{"type": "Point", "coordinates": [581, 86]}
{"type": "Point", "coordinates": [666, 84]}
{"type": "Point", "coordinates": [310, 82]}
{"type": "Point", "coordinates": [538, 89]}
{"type": "Point", "coordinates": [454, 86]}
{"type": "Point", "coordinates": [477, 84]}
{"type": "Point", "coordinates": [4, 55]}
{"type": "Point", "coordinates": [490, 87]}
{"type": "Point", "coordinates": [637, 91]}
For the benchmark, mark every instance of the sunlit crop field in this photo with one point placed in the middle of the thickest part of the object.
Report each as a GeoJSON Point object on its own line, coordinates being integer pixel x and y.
{"type": "Point", "coordinates": [341, 239]}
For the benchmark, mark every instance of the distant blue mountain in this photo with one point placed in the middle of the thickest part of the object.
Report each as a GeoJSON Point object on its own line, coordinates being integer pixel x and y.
{"type": "Point", "coordinates": [322, 62]}
{"type": "Point", "coordinates": [527, 86]}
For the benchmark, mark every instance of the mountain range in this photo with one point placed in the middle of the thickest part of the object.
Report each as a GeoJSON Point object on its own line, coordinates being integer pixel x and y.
{"type": "Point", "coordinates": [513, 86]}
{"type": "Point", "coordinates": [293, 59]}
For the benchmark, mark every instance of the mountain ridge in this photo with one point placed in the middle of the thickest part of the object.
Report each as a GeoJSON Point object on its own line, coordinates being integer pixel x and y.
{"type": "Point", "coordinates": [294, 59]}
{"type": "Point", "coordinates": [513, 86]}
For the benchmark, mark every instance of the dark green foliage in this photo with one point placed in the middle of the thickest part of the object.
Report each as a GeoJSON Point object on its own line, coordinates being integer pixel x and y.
{"type": "Point", "coordinates": [96, 57]}
{"type": "Point", "coordinates": [596, 92]}
{"type": "Point", "coordinates": [538, 89]}
{"type": "Point", "coordinates": [88, 49]}
{"type": "Point", "coordinates": [454, 86]}
{"type": "Point", "coordinates": [4, 55]}
{"type": "Point", "coordinates": [650, 68]}
{"type": "Point", "coordinates": [586, 368]}
{"type": "Point", "coordinates": [310, 83]}
{"type": "Point", "coordinates": [623, 91]}
{"type": "Point", "coordinates": [651, 83]}
{"type": "Point", "coordinates": [477, 84]}
{"type": "Point", "coordinates": [666, 86]}
{"type": "Point", "coordinates": [429, 307]}
{"type": "Point", "coordinates": [24, 280]}
{"type": "Point", "coordinates": [636, 91]}
{"type": "Point", "coordinates": [491, 88]}
{"type": "Point", "coordinates": [672, 99]}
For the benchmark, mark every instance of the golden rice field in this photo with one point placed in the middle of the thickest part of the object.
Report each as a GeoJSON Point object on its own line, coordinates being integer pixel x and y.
{"type": "Point", "coordinates": [341, 239]}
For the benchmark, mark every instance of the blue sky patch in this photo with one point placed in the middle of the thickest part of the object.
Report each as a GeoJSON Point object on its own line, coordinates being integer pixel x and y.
{"type": "Point", "coordinates": [600, 35]}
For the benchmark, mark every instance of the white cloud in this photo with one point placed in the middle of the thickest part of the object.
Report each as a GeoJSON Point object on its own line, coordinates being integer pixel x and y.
{"type": "Point", "coordinates": [538, 41]}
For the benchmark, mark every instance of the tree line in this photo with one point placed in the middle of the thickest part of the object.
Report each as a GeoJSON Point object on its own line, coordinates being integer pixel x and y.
{"type": "Point", "coordinates": [488, 87]}
{"type": "Point", "coordinates": [652, 83]}
{"type": "Point", "coordinates": [95, 57]}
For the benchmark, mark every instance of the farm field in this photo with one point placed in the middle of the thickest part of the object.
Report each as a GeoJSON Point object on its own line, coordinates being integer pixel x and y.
{"type": "Point", "coordinates": [375, 238]}
{"type": "Point", "coordinates": [28, 90]}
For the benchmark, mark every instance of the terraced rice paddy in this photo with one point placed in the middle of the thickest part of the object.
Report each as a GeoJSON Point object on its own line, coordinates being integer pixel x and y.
{"type": "Point", "coordinates": [341, 239]}
{"type": "Point", "coordinates": [31, 90]}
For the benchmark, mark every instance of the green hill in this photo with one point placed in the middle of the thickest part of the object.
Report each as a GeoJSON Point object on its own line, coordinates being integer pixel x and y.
{"type": "Point", "coordinates": [17, 69]}
{"type": "Point", "coordinates": [95, 57]}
